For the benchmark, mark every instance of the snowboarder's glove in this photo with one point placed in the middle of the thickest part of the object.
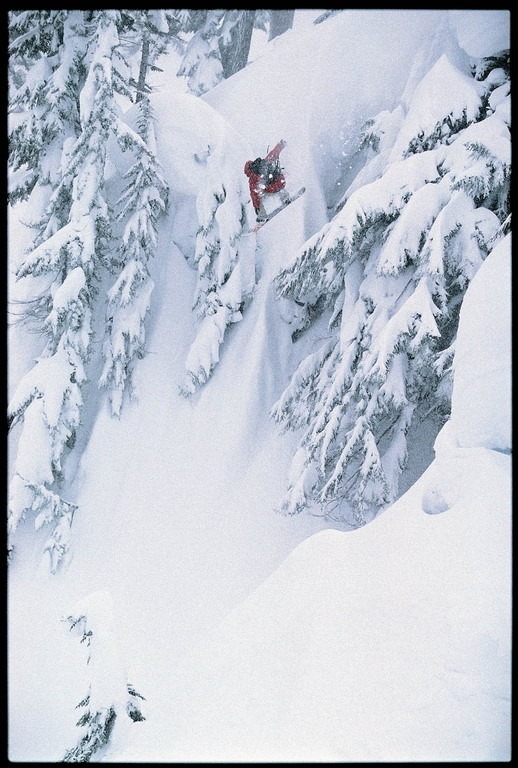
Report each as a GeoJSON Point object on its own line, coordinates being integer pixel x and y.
{"type": "Point", "coordinates": [283, 142]}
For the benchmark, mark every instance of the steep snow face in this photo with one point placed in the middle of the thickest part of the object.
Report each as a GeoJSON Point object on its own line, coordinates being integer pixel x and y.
{"type": "Point", "coordinates": [187, 129]}
{"type": "Point", "coordinates": [315, 87]}
{"type": "Point", "coordinates": [391, 643]}
{"type": "Point", "coordinates": [481, 399]}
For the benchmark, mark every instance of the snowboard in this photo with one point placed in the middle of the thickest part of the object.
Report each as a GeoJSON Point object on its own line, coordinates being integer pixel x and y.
{"type": "Point", "coordinates": [277, 210]}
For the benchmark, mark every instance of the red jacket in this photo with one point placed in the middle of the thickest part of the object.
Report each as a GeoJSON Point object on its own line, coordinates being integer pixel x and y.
{"type": "Point", "coordinates": [256, 182]}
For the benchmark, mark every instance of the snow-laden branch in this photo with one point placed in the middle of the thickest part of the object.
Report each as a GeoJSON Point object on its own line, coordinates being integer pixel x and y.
{"type": "Point", "coordinates": [225, 261]}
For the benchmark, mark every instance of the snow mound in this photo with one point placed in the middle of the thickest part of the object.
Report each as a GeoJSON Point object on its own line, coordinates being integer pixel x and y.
{"type": "Point", "coordinates": [481, 399]}
{"type": "Point", "coordinates": [481, 33]}
{"type": "Point", "coordinates": [391, 643]}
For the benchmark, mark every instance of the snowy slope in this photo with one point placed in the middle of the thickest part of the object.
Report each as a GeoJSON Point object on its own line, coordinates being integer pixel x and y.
{"type": "Point", "coordinates": [391, 643]}
{"type": "Point", "coordinates": [177, 499]}
{"type": "Point", "coordinates": [315, 87]}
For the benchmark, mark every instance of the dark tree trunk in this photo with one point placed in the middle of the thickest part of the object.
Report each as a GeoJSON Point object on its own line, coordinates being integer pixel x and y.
{"type": "Point", "coordinates": [144, 61]}
{"type": "Point", "coordinates": [280, 22]}
{"type": "Point", "coordinates": [235, 55]}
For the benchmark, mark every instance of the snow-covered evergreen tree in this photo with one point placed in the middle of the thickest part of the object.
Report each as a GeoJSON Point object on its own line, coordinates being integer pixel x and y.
{"type": "Point", "coordinates": [70, 249]}
{"type": "Point", "coordinates": [48, 48]}
{"type": "Point", "coordinates": [72, 65]}
{"type": "Point", "coordinates": [143, 200]}
{"type": "Point", "coordinates": [391, 270]}
{"type": "Point", "coordinates": [225, 261]}
{"type": "Point", "coordinates": [109, 694]}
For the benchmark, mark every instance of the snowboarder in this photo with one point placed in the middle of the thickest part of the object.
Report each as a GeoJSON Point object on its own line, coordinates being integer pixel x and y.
{"type": "Point", "coordinates": [265, 177]}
